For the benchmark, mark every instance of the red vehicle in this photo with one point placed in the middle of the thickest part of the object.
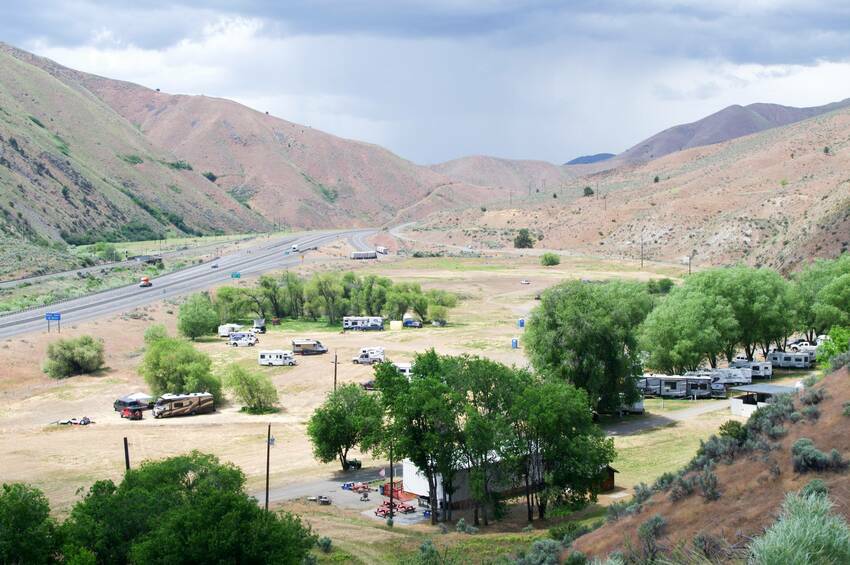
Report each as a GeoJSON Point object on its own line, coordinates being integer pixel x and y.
{"type": "Point", "coordinates": [132, 413]}
{"type": "Point", "coordinates": [145, 282]}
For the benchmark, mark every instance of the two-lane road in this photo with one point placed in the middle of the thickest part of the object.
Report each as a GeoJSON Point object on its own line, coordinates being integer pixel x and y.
{"type": "Point", "coordinates": [273, 255]}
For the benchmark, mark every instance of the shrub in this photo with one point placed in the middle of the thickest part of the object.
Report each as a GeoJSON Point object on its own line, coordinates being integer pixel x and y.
{"type": "Point", "coordinates": [155, 333]}
{"type": "Point", "coordinates": [845, 410]}
{"type": "Point", "coordinates": [735, 430]}
{"type": "Point", "coordinates": [550, 259]}
{"type": "Point", "coordinates": [807, 457]}
{"type": "Point", "coordinates": [74, 356]}
{"type": "Point", "coordinates": [815, 486]}
{"type": "Point", "coordinates": [523, 239]}
{"type": "Point", "coordinates": [708, 485]}
{"type": "Point", "coordinates": [776, 432]}
{"type": "Point", "coordinates": [648, 534]}
{"type": "Point", "coordinates": [254, 390]}
{"type": "Point", "coordinates": [663, 482]}
{"type": "Point", "coordinates": [567, 532]}
{"type": "Point", "coordinates": [542, 552]}
{"type": "Point", "coordinates": [807, 531]}
{"type": "Point", "coordinates": [681, 488]}
{"type": "Point", "coordinates": [324, 543]}
{"type": "Point", "coordinates": [812, 396]}
{"type": "Point", "coordinates": [642, 493]}
{"type": "Point", "coordinates": [811, 412]}
{"type": "Point", "coordinates": [212, 177]}
{"type": "Point", "coordinates": [576, 558]}
{"type": "Point", "coordinates": [438, 313]}
{"type": "Point", "coordinates": [27, 532]}
{"type": "Point", "coordinates": [795, 417]}
{"type": "Point", "coordinates": [838, 361]}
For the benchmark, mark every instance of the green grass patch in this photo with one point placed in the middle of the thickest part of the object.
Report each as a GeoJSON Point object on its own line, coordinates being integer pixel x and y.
{"type": "Point", "coordinates": [36, 121]}
{"type": "Point", "coordinates": [259, 411]}
{"type": "Point", "coordinates": [131, 159]}
{"type": "Point", "coordinates": [452, 264]}
{"type": "Point", "coordinates": [303, 326]}
{"type": "Point", "coordinates": [328, 193]}
{"type": "Point", "coordinates": [180, 165]}
{"type": "Point", "coordinates": [61, 145]}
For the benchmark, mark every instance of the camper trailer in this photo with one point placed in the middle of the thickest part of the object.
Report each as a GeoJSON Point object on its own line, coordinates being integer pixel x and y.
{"type": "Point", "coordinates": [382, 250]}
{"type": "Point", "coordinates": [789, 360]}
{"type": "Point", "coordinates": [731, 376]}
{"type": "Point", "coordinates": [169, 405]}
{"type": "Point", "coordinates": [276, 358]}
{"type": "Point", "coordinates": [225, 330]}
{"type": "Point", "coordinates": [364, 255]}
{"type": "Point", "coordinates": [759, 369]}
{"type": "Point", "coordinates": [243, 339]}
{"type": "Point", "coordinates": [308, 347]}
{"type": "Point", "coordinates": [369, 355]}
{"type": "Point", "coordinates": [405, 369]}
{"type": "Point", "coordinates": [363, 323]}
{"type": "Point", "coordinates": [675, 386]}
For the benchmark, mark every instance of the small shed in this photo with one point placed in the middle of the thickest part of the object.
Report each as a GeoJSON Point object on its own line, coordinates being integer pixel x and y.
{"type": "Point", "coordinates": [606, 478]}
{"type": "Point", "coordinates": [755, 396]}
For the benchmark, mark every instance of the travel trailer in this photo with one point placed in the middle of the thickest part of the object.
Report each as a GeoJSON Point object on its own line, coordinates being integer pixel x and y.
{"type": "Point", "coordinates": [675, 386]}
{"type": "Point", "coordinates": [225, 330]}
{"type": "Point", "coordinates": [759, 369]}
{"type": "Point", "coordinates": [363, 323]}
{"type": "Point", "coordinates": [364, 255]}
{"type": "Point", "coordinates": [789, 360]}
{"type": "Point", "coordinates": [308, 347]}
{"type": "Point", "coordinates": [243, 339]}
{"type": "Point", "coordinates": [169, 405]}
{"type": "Point", "coordinates": [731, 376]}
{"type": "Point", "coordinates": [276, 358]}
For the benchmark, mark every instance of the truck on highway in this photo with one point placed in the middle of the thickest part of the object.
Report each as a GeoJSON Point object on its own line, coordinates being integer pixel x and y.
{"type": "Point", "coordinates": [145, 282]}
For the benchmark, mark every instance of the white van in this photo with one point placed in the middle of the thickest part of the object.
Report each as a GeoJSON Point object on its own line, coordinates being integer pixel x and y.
{"type": "Point", "coordinates": [369, 355]}
{"type": "Point", "coordinates": [225, 330]}
{"type": "Point", "coordinates": [243, 339]}
{"type": "Point", "coordinates": [276, 358]}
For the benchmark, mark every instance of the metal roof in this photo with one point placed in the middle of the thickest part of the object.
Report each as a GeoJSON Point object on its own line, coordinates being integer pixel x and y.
{"type": "Point", "coordinates": [763, 388]}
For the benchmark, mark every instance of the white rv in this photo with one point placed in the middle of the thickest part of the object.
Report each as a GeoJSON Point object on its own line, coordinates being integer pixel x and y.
{"type": "Point", "coordinates": [759, 369]}
{"type": "Point", "coordinates": [675, 386]}
{"type": "Point", "coordinates": [242, 339]}
{"type": "Point", "coordinates": [363, 323]}
{"type": "Point", "coordinates": [308, 347]}
{"type": "Point", "coordinates": [382, 250]}
{"type": "Point", "coordinates": [364, 255]}
{"type": "Point", "coordinates": [369, 355]}
{"type": "Point", "coordinates": [276, 358]}
{"type": "Point", "coordinates": [405, 369]}
{"type": "Point", "coordinates": [789, 360]}
{"type": "Point", "coordinates": [169, 405]}
{"type": "Point", "coordinates": [731, 376]}
{"type": "Point", "coordinates": [225, 330]}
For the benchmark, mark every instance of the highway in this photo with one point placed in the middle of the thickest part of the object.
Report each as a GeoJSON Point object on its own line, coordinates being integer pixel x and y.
{"type": "Point", "coordinates": [275, 254]}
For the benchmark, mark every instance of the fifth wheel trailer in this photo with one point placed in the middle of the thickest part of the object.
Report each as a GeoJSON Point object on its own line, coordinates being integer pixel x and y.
{"type": "Point", "coordinates": [364, 255]}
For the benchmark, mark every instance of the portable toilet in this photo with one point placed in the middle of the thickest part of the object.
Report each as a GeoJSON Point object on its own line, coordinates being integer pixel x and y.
{"type": "Point", "coordinates": [515, 343]}
{"type": "Point", "coordinates": [521, 322]}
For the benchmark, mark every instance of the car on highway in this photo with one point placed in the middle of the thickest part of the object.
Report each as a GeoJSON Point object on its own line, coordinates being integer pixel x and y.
{"type": "Point", "coordinates": [145, 282]}
{"type": "Point", "coordinates": [214, 266]}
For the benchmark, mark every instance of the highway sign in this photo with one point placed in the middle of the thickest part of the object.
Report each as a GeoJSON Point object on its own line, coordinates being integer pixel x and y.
{"type": "Point", "coordinates": [53, 316]}
{"type": "Point", "coordinates": [235, 275]}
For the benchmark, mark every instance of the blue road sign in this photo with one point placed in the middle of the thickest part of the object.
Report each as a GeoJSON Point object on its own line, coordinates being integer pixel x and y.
{"type": "Point", "coordinates": [235, 275]}
{"type": "Point", "coordinates": [52, 316]}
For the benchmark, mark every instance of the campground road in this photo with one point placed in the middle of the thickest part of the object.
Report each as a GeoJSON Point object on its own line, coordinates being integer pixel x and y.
{"type": "Point", "coordinates": [635, 425]}
{"type": "Point", "coordinates": [259, 259]}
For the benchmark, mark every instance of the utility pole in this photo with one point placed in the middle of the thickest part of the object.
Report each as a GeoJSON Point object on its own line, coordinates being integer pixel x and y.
{"type": "Point", "coordinates": [126, 455]}
{"type": "Point", "coordinates": [391, 484]}
{"type": "Point", "coordinates": [335, 365]}
{"type": "Point", "coordinates": [689, 264]}
{"type": "Point", "coordinates": [641, 250]}
{"type": "Point", "coordinates": [268, 458]}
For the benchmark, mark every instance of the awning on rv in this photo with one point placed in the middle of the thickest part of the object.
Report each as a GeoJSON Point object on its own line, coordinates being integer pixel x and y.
{"type": "Point", "coordinates": [136, 397]}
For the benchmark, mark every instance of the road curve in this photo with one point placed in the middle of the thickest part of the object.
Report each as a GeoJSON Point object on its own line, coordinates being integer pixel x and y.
{"type": "Point", "coordinates": [269, 256]}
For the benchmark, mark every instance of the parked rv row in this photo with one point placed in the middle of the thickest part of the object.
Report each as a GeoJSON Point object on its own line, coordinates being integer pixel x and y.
{"type": "Point", "coordinates": [166, 406]}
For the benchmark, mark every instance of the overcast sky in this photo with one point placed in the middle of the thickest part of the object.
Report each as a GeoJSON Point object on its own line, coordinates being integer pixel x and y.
{"type": "Point", "coordinates": [434, 80]}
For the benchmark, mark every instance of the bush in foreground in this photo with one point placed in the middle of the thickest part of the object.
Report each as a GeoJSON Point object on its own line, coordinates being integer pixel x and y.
{"type": "Point", "coordinates": [550, 259]}
{"type": "Point", "coordinates": [254, 390]}
{"type": "Point", "coordinates": [807, 532]}
{"type": "Point", "coordinates": [27, 532]}
{"type": "Point", "coordinates": [75, 356]}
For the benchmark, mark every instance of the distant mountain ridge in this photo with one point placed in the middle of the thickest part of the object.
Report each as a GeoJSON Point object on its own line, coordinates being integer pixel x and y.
{"type": "Point", "coordinates": [589, 159]}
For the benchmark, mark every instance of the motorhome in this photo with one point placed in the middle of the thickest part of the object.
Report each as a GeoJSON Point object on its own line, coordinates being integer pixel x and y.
{"type": "Point", "coordinates": [363, 323]}
{"type": "Point", "coordinates": [369, 355]}
{"type": "Point", "coordinates": [276, 358]}
{"type": "Point", "coordinates": [364, 255]}
{"type": "Point", "coordinates": [242, 339]}
{"type": "Point", "coordinates": [225, 330]}
{"type": "Point", "coordinates": [789, 360]}
{"type": "Point", "coordinates": [308, 347]}
{"type": "Point", "coordinates": [169, 405]}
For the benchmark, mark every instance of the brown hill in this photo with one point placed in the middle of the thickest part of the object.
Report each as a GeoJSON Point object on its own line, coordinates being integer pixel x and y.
{"type": "Point", "coordinates": [73, 169]}
{"type": "Point", "coordinates": [774, 198]}
{"type": "Point", "coordinates": [520, 177]}
{"type": "Point", "coordinates": [285, 171]}
{"type": "Point", "coordinates": [729, 123]}
{"type": "Point", "coordinates": [752, 487]}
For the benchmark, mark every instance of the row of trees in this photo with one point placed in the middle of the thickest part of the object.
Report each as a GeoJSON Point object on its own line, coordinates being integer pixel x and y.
{"type": "Point", "coordinates": [600, 336]}
{"type": "Point", "coordinates": [186, 509]}
{"type": "Point", "coordinates": [324, 295]}
{"type": "Point", "coordinates": [502, 426]}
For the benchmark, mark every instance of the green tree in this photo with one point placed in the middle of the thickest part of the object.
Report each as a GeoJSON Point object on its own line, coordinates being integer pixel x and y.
{"type": "Point", "coordinates": [550, 259]}
{"type": "Point", "coordinates": [186, 509]}
{"type": "Point", "coordinates": [585, 334]}
{"type": "Point", "coordinates": [327, 289]}
{"type": "Point", "coordinates": [197, 316]}
{"type": "Point", "coordinates": [27, 532]}
{"type": "Point", "coordinates": [106, 251]}
{"type": "Point", "coordinates": [292, 288]}
{"type": "Point", "coordinates": [838, 343]}
{"type": "Point", "coordinates": [807, 286]}
{"type": "Point", "coordinates": [273, 295]}
{"type": "Point", "coordinates": [349, 417]}
{"type": "Point", "coordinates": [232, 304]}
{"type": "Point", "coordinates": [172, 365]}
{"type": "Point", "coordinates": [686, 329]}
{"type": "Point", "coordinates": [588, 191]}
{"type": "Point", "coordinates": [833, 303]}
{"type": "Point", "coordinates": [74, 356]}
{"type": "Point", "coordinates": [523, 239]}
{"type": "Point", "coordinates": [254, 390]}
{"type": "Point", "coordinates": [438, 313]}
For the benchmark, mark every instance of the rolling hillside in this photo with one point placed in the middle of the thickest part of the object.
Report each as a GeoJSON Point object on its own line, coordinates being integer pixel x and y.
{"type": "Point", "coordinates": [521, 177]}
{"type": "Point", "coordinates": [72, 169]}
{"type": "Point", "coordinates": [779, 198]}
